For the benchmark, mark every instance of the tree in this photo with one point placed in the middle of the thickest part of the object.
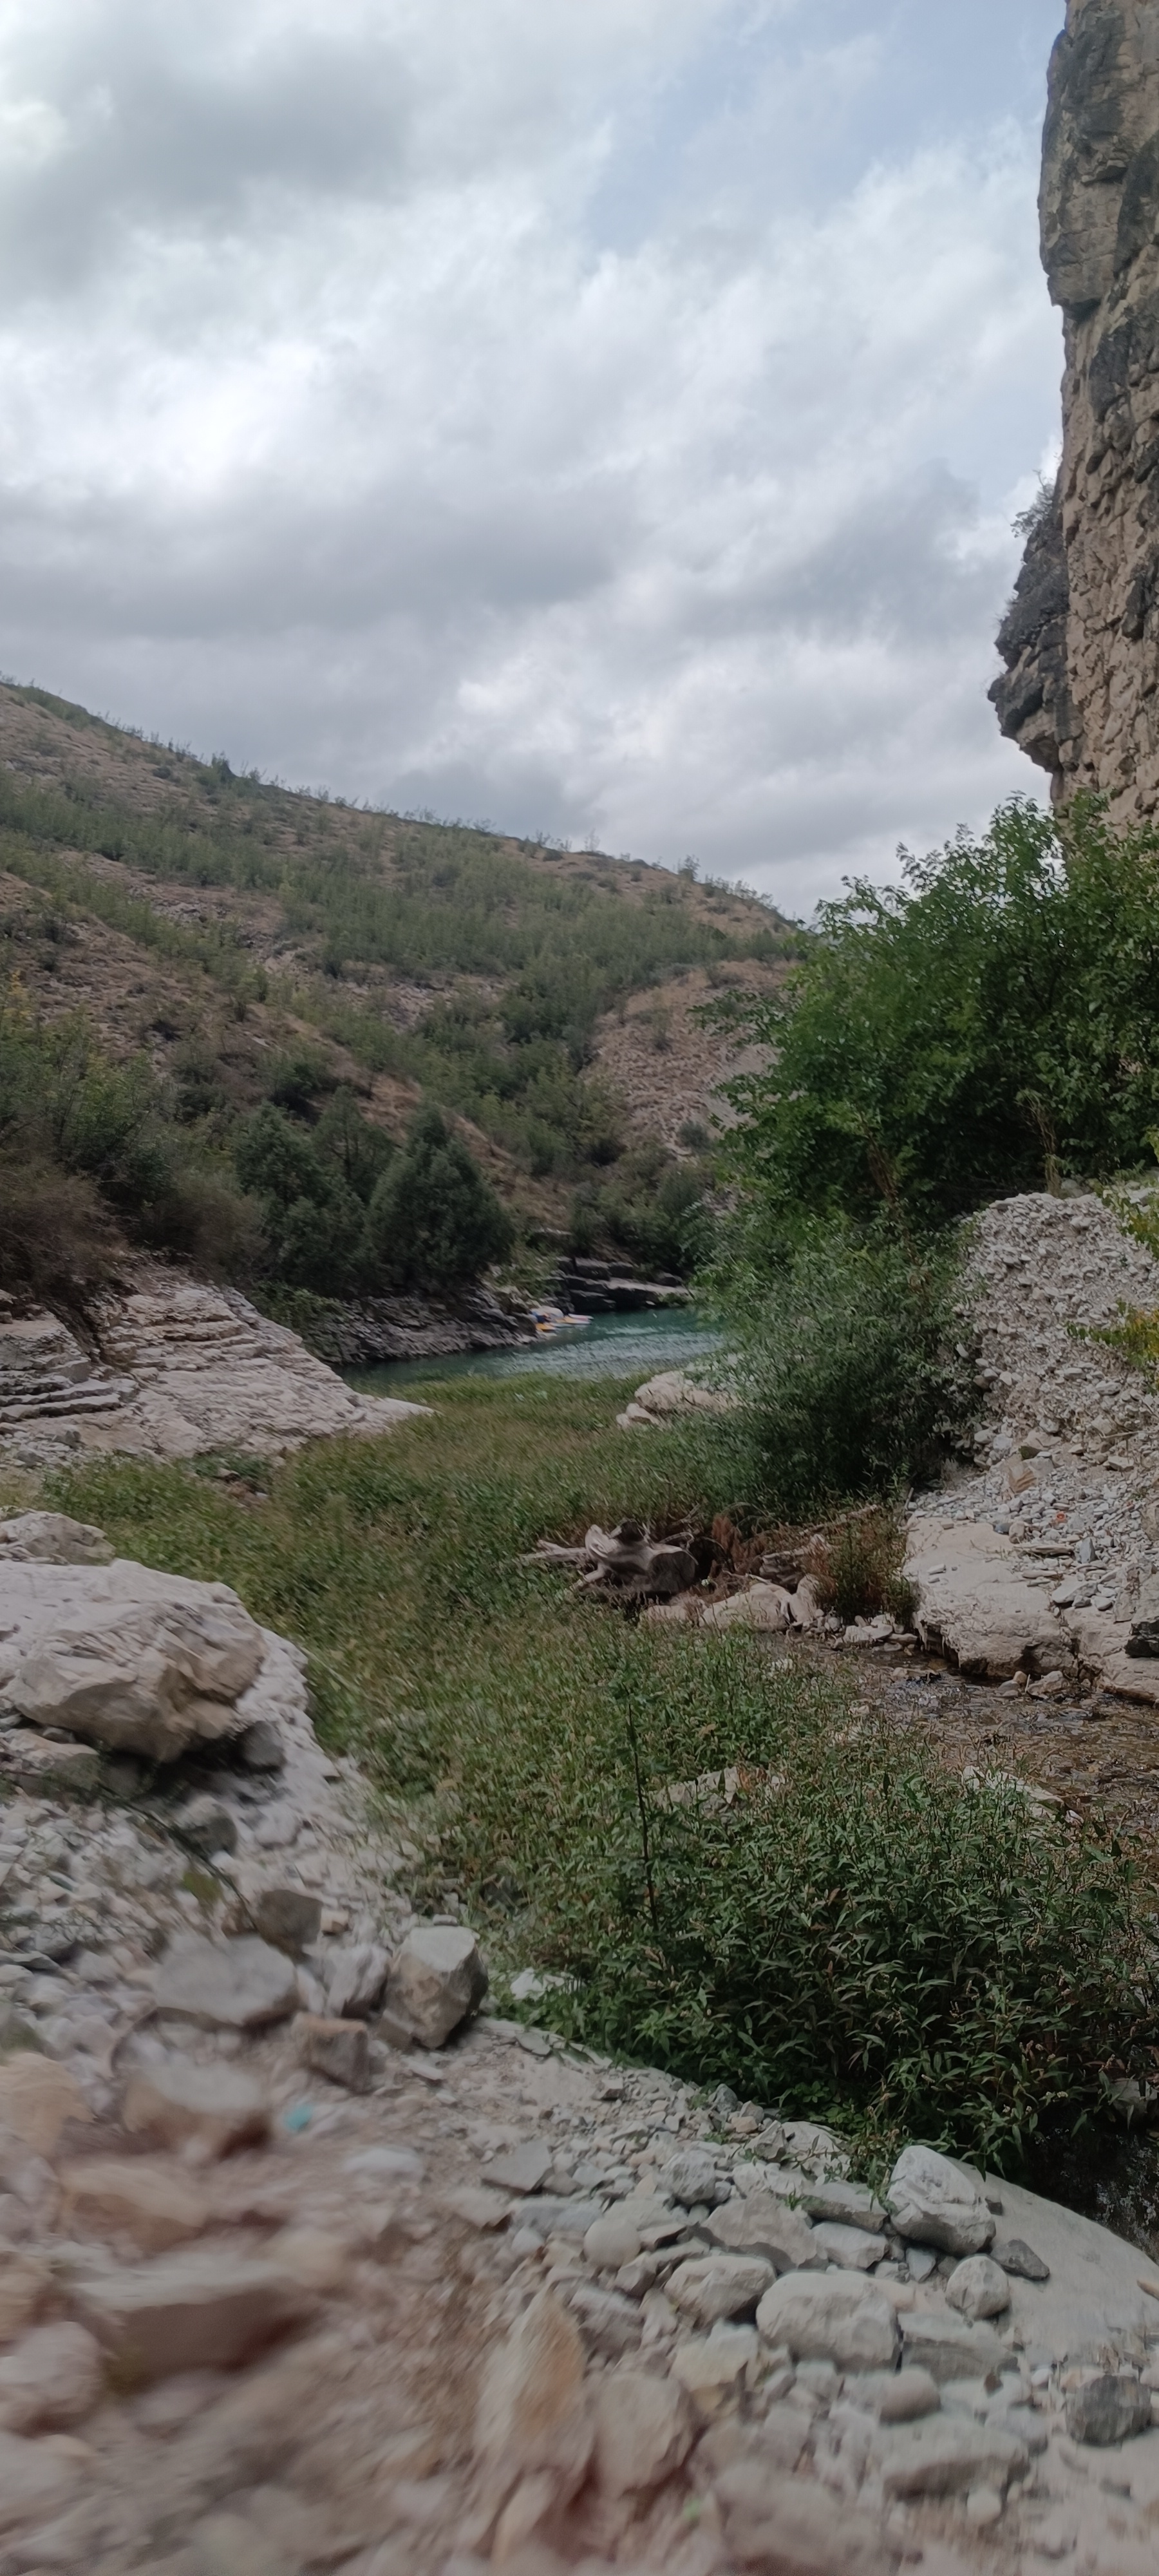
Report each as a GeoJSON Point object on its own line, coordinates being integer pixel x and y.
{"type": "Point", "coordinates": [313, 1222]}
{"type": "Point", "coordinates": [434, 1222]}
{"type": "Point", "coordinates": [982, 1027]}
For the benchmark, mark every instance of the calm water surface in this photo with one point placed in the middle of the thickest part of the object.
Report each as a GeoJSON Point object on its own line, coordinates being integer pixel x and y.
{"type": "Point", "coordinates": [607, 1346]}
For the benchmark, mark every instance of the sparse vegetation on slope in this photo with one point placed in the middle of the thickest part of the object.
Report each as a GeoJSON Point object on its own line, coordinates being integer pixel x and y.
{"type": "Point", "coordinates": [418, 960]}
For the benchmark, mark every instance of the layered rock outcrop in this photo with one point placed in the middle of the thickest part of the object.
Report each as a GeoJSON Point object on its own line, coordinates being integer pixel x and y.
{"type": "Point", "coordinates": [1080, 692]}
{"type": "Point", "coordinates": [175, 1368]}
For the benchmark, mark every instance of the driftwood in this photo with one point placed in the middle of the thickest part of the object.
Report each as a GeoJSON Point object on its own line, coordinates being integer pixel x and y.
{"type": "Point", "coordinates": [624, 1561]}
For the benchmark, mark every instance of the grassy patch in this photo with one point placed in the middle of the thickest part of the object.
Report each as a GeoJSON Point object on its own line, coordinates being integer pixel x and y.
{"type": "Point", "coordinates": [839, 1926]}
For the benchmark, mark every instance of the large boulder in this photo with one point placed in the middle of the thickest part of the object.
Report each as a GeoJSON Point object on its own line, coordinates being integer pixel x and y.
{"type": "Point", "coordinates": [933, 2202]}
{"type": "Point", "coordinates": [232, 1985]}
{"type": "Point", "coordinates": [145, 1676]}
{"type": "Point", "coordinates": [436, 1979]}
{"type": "Point", "coordinates": [51, 1538]}
{"type": "Point", "coordinates": [214, 2108]}
{"type": "Point", "coordinates": [210, 2310]}
{"type": "Point", "coordinates": [830, 2316]}
{"type": "Point", "coordinates": [975, 1604]}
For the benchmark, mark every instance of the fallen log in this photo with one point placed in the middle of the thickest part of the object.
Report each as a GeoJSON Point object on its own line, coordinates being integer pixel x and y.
{"type": "Point", "coordinates": [625, 1561]}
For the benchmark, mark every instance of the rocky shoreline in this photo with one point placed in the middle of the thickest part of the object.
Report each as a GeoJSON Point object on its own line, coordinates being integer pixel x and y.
{"type": "Point", "coordinates": [380, 1329]}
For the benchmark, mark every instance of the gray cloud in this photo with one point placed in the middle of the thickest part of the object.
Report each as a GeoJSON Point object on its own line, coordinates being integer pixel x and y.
{"type": "Point", "coordinates": [442, 404]}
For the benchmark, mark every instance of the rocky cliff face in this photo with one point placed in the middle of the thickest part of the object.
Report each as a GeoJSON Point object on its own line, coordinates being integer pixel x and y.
{"type": "Point", "coordinates": [1080, 640]}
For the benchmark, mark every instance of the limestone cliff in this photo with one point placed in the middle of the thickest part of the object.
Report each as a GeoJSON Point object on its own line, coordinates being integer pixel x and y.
{"type": "Point", "coordinates": [1080, 640]}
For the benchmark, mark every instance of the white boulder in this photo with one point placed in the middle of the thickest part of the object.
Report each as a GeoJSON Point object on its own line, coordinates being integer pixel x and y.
{"type": "Point", "coordinates": [146, 1676]}
{"type": "Point", "coordinates": [437, 1978]}
{"type": "Point", "coordinates": [233, 1985]}
{"type": "Point", "coordinates": [933, 2202]}
{"type": "Point", "coordinates": [978, 2288]}
{"type": "Point", "coordinates": [830, 2316]}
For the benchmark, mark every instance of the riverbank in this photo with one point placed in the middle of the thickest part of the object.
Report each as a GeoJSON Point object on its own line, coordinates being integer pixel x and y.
{"type": "Point", "coordinates": [605, 1346]}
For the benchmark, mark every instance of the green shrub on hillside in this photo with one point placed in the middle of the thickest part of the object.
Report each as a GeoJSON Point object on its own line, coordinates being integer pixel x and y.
{"type": "Point", "coordinates": [434, 1222]}
{"type": "Point", "coordinates": [92, 1149]}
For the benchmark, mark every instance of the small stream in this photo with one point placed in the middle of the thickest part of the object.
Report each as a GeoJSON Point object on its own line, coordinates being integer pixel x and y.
{"type": "Point", "coordinates": [607, 1346]}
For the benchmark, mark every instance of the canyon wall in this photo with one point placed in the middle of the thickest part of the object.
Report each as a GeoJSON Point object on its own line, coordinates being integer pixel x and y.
{"type": "Point", "coordinates": [1080, 640]}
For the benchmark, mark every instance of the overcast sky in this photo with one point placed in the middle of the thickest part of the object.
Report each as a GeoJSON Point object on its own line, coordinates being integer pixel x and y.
{"type": "Point", "coordinates": [603, 416]}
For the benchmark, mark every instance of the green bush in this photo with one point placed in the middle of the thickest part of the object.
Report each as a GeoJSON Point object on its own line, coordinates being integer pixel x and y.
{"type": "Point", "coordinates": [851, 1366]}
{"type": "Point", "coordinates": [859, 1935]}
{"type": "Point", "coordinates": [434, 1221]}
{"type": "Point", "coordinates": [981, 1027]}
{"type": "Point", "coordinates": [92, 1153]}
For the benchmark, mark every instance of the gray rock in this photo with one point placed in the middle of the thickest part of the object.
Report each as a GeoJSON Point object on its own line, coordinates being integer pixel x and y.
{"type": "Point", "coordinates": [436, 1980]}
{"type": "Point", "coordinates": [33, 2481]}
{"type": "Point", "coordinates": [212, 2310]}
{"type": "Point", "coordinates": [762, 2224]}
{"type": "Point", "coordinates": [950, 2349]}
{"type": "Point", "coordinates": [693, 2177]}
{"type": "Point", "coordinates": [921, 2260]}
{"type": "Point", "coordinates": [852, 2248]}
{"type": "Point", "coordinates": [355, 1980]}
{"type": "Point", "coordinates": [51, 1937]}
{"type": "Point", "coordinates": [978, 2288]}
{"type": "Point", "coordinates": [51, 1538]}
{"type": "Point", "coordinates": [947, 2455]}
{"type": "Point", "coordinates": [899, 2396]}
{"type": "Point", "coordinates": [340, 2050]}
{"type": "Point", "coordinates": [1020, 2260]}
{"type": "Point", "coordinates": [791, 2527]}
{"type": "Point", "coordinates": [523, 2169]}
{"type": "Point", "coordinates": [715, 2286]}
{"type": "Point", "coordinates": [207, 1825]}
{"type": "Point", "coordinates": [238, 1985]}
{"type": "Point", "coordinates": [1027, 2426]}
{"type": "Point", "coordinates": [933, 2202]}
{"type": "Point", "coordinates": [287, 1917]}
{"type": "Point", "coordinates": [846, 2204]}
{"type": "Point", "coordinates": [45, 1764]}
{"type": "Point", "coordinates": [262, 1748]}
{"type": "Point", "coordinates": [611, 2242]}
{"type": "Point", "coordinates": [149, 1676]}
{"type": "Point", "coordinates": [830, 2316]}
{"type": "Point", "coordinates": [1111, 2409]}
{"type": "Point", "coordinates": [229, 2544]}
{"type": "Point", "coordinates": [52, 2379]}
{"type": "Point", "coordinates": [219, 2108]}
{"type": "Point", "coordinates": [610, 2325]}
{"type": "Point", "coordinates": [549, 2216]}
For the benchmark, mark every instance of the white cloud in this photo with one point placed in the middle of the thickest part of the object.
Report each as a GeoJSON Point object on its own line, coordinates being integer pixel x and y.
{"type": "Point", "coordinates": [351, 427]}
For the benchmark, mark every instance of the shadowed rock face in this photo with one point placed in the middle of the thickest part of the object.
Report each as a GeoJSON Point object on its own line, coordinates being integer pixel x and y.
{"type": "Point", "coordinates": [1080, 640]}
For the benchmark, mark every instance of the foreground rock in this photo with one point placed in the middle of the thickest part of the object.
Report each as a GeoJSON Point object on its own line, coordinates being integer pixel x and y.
{"type": "Point", "coordinates": [509, 2306]}
{"type": "Point", "coordinates": [436, 1981]}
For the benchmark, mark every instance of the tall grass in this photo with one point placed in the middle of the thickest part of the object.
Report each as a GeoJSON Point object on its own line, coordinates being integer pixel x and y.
{"type": "Point", "coordinates": [844, 1927]}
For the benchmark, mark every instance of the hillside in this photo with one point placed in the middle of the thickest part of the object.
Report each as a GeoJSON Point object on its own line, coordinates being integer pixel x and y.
{"type": "Point", "coordinates": [221, 941]}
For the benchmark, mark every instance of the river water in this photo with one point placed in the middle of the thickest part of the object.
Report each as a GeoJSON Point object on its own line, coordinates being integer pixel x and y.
{"type": "Point", "coordinates": [607, 1346]}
